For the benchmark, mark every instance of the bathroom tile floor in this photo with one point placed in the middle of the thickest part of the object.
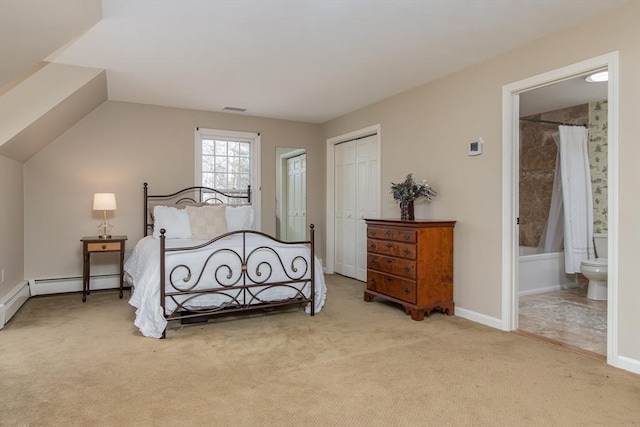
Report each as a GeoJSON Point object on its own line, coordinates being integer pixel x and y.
{"type": "Point", "coordinates": [566, 316]}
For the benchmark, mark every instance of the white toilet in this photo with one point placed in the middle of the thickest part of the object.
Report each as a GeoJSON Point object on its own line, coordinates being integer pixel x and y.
{"type": "Point", "coordinates": [595, 269]}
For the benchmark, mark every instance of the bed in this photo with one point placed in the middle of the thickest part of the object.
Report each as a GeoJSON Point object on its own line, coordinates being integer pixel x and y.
{"type": "Point", "coordinates": [189, 266]}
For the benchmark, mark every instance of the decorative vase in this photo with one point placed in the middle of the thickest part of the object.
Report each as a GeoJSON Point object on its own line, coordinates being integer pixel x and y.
{"type": "Point", "coordinates": [406, 211]}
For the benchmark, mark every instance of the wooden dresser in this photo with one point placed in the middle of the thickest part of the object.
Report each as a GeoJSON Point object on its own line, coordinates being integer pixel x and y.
{"type": "Point", "coordinates": [411, 263]}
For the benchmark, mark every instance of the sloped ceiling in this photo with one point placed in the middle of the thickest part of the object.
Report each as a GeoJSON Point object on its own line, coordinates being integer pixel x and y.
{"type": "Point", "coordinates": [307, 60]}
{"type": "Point", "coordinates": [43, 106]}
{"type": "Point", "coordinates": [31, 30]}
{"type": "Point", "coordinates": [38, 100]}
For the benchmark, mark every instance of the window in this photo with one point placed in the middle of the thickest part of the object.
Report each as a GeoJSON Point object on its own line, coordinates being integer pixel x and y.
{"type": "Point", "coordinates": [229, 161]}
{"type": "Point", "coordinates": [226, 165]}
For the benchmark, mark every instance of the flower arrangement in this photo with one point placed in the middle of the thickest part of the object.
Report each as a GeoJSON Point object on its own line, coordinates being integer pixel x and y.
{"type": "Point", "coordinates": [409, 190]}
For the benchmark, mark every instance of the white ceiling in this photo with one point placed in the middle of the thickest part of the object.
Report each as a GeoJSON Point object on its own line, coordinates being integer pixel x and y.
{"type": "Point", "coordinates": [306, 60]}
{"type": "Point", "coordinates": [575, 91]}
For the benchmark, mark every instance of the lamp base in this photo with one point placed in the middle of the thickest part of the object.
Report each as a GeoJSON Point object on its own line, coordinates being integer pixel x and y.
{"type": "Point", "coordinates": [103, 230]}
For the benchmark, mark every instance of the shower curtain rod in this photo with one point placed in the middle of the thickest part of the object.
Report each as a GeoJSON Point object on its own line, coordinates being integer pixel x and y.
{"type": "Point", "coordinates": [552, 122]}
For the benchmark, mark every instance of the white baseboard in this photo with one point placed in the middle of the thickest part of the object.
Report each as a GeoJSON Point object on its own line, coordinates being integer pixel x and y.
{"type": "Point", "coordinates": [12, 302]}
{"type": "Point", "coordinates": [629, 364]}
{"type": "Point", "coordinates": [478, 318]}
{"type": "Point", "coordinates": [72, 284]}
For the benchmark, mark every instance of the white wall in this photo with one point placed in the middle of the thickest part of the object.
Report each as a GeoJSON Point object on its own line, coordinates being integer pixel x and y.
{"type": "Point", "coordinates": [11, 224]}
{"type": "Point", "coordinates": [426, 131]}
{"type": "Point", "coordinates": [117, 148]}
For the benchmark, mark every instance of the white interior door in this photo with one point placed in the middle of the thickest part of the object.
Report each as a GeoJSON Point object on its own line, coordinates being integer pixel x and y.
{"type": "Point", "coordinates": [368, 193]}
{"type": "Point", "coordinates": [356, 195]}
{"type": "Point", "coordinates": [296, 198]}
{"type": "Point", "coordinates": [338, 213]}
{"type": "Point", "coordinates": [345, 216]}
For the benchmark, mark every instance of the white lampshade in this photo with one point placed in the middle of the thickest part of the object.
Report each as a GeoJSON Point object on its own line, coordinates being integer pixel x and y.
{"type": "Point", "coordinates": [104, 202]}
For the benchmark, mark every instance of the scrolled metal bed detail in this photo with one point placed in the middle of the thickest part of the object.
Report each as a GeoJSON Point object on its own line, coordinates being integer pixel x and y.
{"type": "Point", "coordinates": [236, 271]}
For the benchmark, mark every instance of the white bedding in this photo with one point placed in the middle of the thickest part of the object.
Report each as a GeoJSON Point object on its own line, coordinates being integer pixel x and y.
{"type": "Point", "coordinates": [144, 271]}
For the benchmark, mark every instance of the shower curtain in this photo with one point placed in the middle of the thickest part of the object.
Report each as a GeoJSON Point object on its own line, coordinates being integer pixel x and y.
{"type": "Point", "coordinates": [577, 198]}
{"type": "Point", "coordinates": [553, 232]}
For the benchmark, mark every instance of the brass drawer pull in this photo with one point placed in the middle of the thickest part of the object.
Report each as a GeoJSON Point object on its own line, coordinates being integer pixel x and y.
{"type": "Point", "coordinates": [372, 246]}
{"type": "Point", "coordinates": [389, 260]}
{"type": "Point", "coordinates": [407, 251]}
{"type": "Point", "coordinates": [407, 236]}
{"type": "Point", "coordinates": [389, 244]}
{"type": "Point", "coordinates": [110, 246]}
{"type": "Point", "coordinates": [406, 290]}
{"type": "Point", "coordinates": [407, 269]}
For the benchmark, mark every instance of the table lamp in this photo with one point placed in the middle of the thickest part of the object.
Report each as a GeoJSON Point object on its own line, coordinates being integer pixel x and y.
{"type": "Point", "coordinates": [104, 202]}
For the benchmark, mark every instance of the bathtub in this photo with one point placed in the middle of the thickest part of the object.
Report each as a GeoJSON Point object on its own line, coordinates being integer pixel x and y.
{"type": "Point", "coordinates": [542, 272]}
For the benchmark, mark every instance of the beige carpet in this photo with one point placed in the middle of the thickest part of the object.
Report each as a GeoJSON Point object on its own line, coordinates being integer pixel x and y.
{"type": "Point", "coordinates": [65, 363]}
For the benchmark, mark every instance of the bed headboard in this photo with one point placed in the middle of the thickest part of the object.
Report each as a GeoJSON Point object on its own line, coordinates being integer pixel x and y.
{"type": "Point", "coordinates": [190, 196]}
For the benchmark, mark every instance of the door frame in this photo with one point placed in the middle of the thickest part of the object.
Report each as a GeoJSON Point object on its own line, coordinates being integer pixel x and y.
{"type": "Point", "coordinates": [330, 173]}
{"type": "Point", "coordinates": [510, 177]}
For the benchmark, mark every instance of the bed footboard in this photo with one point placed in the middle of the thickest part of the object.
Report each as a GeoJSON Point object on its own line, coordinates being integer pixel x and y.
{"type": "Point", "coordinates": [257, 271]}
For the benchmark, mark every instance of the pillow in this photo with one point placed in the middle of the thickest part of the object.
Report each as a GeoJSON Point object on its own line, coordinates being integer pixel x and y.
{"type": "Point", "coordinates": [207, 222]}
{"type": "Point", "coordinates": [239, 217]}
{"type": "Point", "coordinates": [175, 221]}
{"type": "Point", "coordinates": [183, 205]}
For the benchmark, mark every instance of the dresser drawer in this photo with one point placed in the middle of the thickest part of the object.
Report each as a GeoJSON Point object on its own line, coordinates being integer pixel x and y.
{"type": "Point", "coordinates": [395, 266]}
{"type": "Point", "coordinates": [407, 236]}
{"type": "Point", "coordinates": [103, 247]}
{"type": "Point", "coordinates": [403, 250]}
{"type": "Point", "coordinates": [395, 287]}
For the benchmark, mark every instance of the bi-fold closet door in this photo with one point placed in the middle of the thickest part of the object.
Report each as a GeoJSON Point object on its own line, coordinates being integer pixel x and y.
{"type": "Point", "coordinates": [357, 193]}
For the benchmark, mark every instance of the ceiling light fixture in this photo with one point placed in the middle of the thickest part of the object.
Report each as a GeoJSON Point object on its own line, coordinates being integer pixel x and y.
{"type": "Point", "coordinates": [601, 76]}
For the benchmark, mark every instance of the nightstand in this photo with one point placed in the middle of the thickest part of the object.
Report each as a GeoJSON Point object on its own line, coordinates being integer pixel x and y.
{"type": "Point", "coordinates": [94, 244]}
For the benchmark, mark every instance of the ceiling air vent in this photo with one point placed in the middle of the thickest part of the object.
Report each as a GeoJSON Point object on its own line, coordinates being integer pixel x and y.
{"type": "Point", "coordinates": [236, 109]}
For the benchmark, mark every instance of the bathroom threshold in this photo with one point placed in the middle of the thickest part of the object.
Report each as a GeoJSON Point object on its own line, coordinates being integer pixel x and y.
{"type": "Point", "coordinates": [561, 344]}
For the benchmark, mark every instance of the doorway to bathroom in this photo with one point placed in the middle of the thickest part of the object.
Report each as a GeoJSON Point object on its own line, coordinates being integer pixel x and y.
{"type": "Point", "coordinates": [553, 300]}
{"type": "Point", "coordinates": [539, 298]}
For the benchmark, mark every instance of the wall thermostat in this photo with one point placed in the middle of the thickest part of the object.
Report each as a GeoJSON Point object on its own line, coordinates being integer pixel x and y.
{"type": "Point", "coordinates": [475, 147]}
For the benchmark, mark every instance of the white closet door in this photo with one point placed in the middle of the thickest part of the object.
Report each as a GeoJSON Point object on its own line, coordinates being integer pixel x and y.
{"type": "Point", "coordinates": [368, 193]}
{"type": "Point", "coordinates": [356, 197]}
{"type": "Point", "coordinates": [339, 241]}
{"type": "Point", "coordinates": [296, 198]}
{"type": "Point", "coordinates": [346, 234]}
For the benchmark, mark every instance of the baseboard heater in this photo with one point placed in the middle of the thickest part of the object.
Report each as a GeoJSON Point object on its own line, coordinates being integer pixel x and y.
{"type": "Point", "coordinates": [72, 284]}
{"type": "Point", "coordinates": [12, 302]}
